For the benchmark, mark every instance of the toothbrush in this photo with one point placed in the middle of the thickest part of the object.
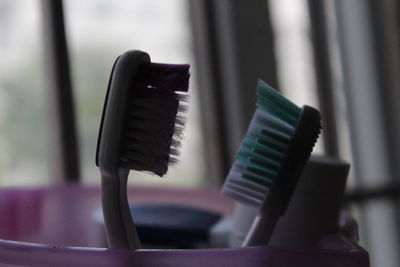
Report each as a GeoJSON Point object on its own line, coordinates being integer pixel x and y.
{"type": "Point", "coordinates": [271, 158]}
{"type": "Point", "coordinates": [141, 129]}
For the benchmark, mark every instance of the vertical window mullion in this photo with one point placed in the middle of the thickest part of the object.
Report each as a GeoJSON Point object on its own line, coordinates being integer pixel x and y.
{"type": "Point", "coordinates": [63, 144]}
{"type": "Point", "coordinates": [324, 79]}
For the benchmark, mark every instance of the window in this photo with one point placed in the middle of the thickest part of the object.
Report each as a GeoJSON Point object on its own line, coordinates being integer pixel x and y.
{"type": "Point", "coordinates": [99, 31]}
{"type": "Point", "coordinates": [293, 50]}
{"type": "Point", "coordinates": [24, 111]}
{"type": "Point", "coordinates": [339, 55]}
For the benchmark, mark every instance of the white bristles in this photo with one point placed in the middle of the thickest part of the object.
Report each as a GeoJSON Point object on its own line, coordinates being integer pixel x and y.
{"type": "Point", "coordinates": [242, 189]}
{"type": "Point", "coordinates": [259, 159]}
{"type": "Point", "coordinates": [267, 120]}
{"type": "Point", "coordinates": [154, 130]}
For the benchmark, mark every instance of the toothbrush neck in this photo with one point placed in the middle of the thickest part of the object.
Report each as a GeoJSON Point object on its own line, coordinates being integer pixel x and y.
{"type": "Point", "coordinates": [273, 204]}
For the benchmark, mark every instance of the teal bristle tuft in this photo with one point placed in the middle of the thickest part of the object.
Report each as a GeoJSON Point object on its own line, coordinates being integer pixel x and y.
{"type": "Point", "coordinates": [274, 103]}
{"type": "Point", "coordinates": [264, 148]}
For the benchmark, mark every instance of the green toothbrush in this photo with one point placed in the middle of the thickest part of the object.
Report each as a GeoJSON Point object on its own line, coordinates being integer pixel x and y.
{"type": "Point", "coordinates": [278, 143]}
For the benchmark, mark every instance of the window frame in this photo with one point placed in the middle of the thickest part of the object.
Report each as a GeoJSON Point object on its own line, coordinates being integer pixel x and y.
{"type": "Point", "coordinates": [65, 165]}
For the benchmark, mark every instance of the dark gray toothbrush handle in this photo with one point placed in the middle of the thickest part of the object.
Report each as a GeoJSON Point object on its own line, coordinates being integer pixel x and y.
{"type": "Point", "coordinates": [120, 229]}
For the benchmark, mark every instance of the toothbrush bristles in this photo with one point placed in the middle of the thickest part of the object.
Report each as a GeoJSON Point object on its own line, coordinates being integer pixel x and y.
{"type": "Point", "coordinates": [155, 118]}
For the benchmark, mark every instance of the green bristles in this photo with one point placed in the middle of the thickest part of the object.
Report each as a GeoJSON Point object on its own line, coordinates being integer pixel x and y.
{"type": "Point", "coordinates": [272, 102]}
{"type": "Point", "coordinates": [264, 147]}
{"type": "Point", "coordinates": [274, 151]}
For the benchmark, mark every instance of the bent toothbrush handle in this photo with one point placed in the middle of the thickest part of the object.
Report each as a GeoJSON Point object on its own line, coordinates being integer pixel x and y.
{"type": "Point", "coordinates": [262, 229]}
{"type": "Point", "coordinates": [114, 226]}
{"type": "Point", "coordinates": [130, 228]}
{"type": "Point", "coordinates": [120, 230]}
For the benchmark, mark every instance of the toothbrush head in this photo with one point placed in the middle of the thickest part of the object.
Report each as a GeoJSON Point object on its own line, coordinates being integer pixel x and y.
{"type": "Point", "coordinates": [278, 143]}
{"type": "Point", "coordinates": [142, 122]}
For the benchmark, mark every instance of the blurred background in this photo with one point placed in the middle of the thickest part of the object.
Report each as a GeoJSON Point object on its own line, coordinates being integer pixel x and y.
{"type": "Point", "coordinates": [342, 56]}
